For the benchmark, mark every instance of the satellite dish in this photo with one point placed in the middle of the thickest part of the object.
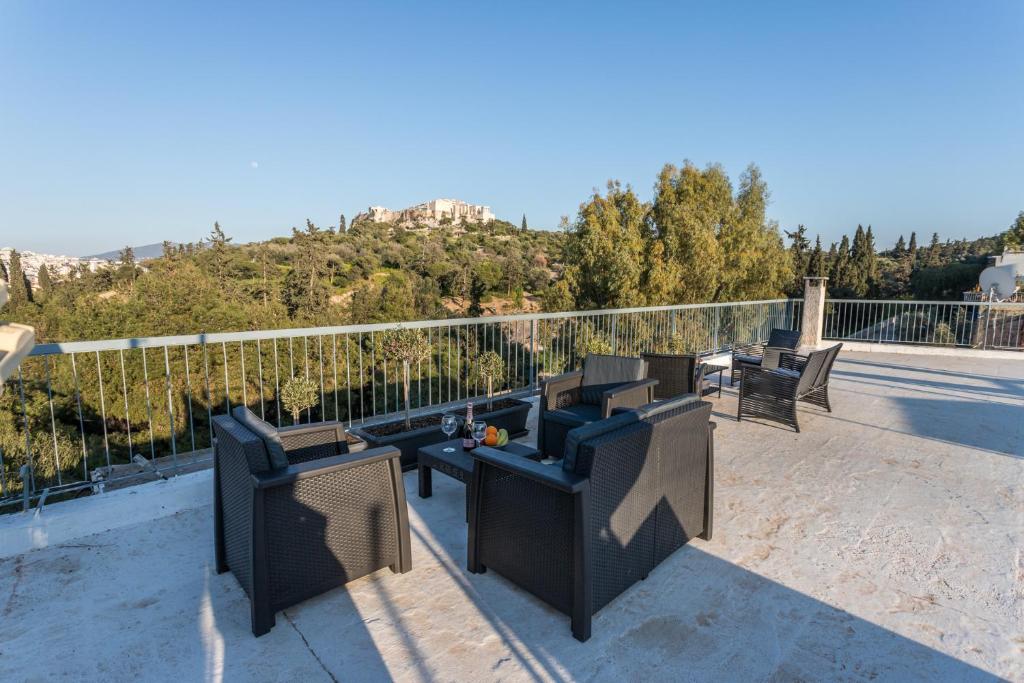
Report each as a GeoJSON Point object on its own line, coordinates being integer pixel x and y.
{"type": "Point", "coordinates": [1000, 279]}
{"type": "Point", "coordinates": [16, 341]}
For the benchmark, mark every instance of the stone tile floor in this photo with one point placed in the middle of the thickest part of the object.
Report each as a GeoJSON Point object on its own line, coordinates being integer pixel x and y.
{"type": "Point", "coordinates": [882, 543]}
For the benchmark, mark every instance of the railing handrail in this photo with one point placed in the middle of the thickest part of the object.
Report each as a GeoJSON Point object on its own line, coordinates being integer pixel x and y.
{"type": "Point", "coordinates": [127, 343]}
{"type": "Point", "coordinates": [918, 301]}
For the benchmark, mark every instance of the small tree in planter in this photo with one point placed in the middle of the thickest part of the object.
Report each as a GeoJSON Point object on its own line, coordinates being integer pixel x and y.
{"type": "Point", "coordinates": [408, 346]}
{"type": "Point", "coordinates": [298, 394]}
{"type": "Point", "coordinates": [491, 368]}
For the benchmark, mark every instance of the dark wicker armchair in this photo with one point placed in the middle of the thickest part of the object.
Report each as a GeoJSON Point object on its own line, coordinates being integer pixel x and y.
{"type": "Point", "coordinates": [772, 393]}
{"type": "Point", "coordinates": [753, 355]}
{"type": "Point", "coordinates": [577, 398]}
{"type": "Point", "coordinates": [290, 533]}
{"type": "Point", "coordinates": [631, 490]}
{"type": "Point", "coordinates": [677, 373]}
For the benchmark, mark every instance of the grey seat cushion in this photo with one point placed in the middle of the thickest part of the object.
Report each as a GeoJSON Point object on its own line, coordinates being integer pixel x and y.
{"type": "Point", "coordinates": [574, 415]}
{"type": "Point", "coordinates": [575, 438]}
{"type": "Point", "coordinates": [266, 431]}
{"type": "Point", "coordinates": [786, 372]}
{"type": "Point", "coordinates": [744, 358]}
{"type": "Point", "coordinates": [601, 369]}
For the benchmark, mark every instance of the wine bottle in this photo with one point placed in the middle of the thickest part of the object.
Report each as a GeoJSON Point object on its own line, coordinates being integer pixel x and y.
{"type": "Point", "coordinates": [468, 442]}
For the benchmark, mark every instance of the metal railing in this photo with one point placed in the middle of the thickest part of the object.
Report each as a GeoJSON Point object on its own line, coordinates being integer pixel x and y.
{"type": "Point", "coordinates": [966, 324]}
{"type": "Point", "coordinates": [79, 412]}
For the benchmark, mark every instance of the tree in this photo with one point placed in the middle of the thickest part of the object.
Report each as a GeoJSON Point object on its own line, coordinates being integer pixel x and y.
{"type": "Point", "coordinates": [297, 394]}
{"type": "Point", "coordinates": [842, 279]}
{"type": "Point", "coordinates": [3, 271]}
{"type": "Point", "coordinates": [605, 250]}
{"type": "Point", "coordinates": [912, 250]}
{"type": "Point", "coordinates": [816, 266]}
{"type": "Point", "coordinates": [934, 257]}
{"type": "Point", "coordinates": [219, 249]}
{"type": "Point", "coordinates": [900, 250]}
{"type": "Point", "coordinates": [799, 256]}
{"type": "Point", "coordinates": [44, 281]}
{"type": "Point", "coordinates": [523, 227]}
{"type": "Point", "coordinates": [689, 208]}
{"type": "Point", "coordinates": [1013, 238]}
{"type": "Point", "coordinates": [490, 367]}
{"type": "Point", "coordinates": [20, 291]}
{"type": "Point", "coordinates": [477, 290]}
{"type": "Point", "coordinates": [406, 346]}
{"type": "Point", "coordinates": [341, 224]}
{"type": "Point", "coordinates": [755, 263]}
{"type": "Point", "coordinates": [305, 293]}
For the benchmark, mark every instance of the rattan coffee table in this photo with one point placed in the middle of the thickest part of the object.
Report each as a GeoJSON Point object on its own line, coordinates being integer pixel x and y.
{"type": "Point", "coordinates": [457, 464]}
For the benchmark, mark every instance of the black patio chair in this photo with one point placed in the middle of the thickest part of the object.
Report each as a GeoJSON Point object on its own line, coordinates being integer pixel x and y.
{"type": "Point", "coordinates": [772, 393]}
{"type": "Point", "coordinates": [779, 341]}
{"type": "Point", "coordinates": [677, 373]}
{"type": "Point", "coordinates": [291, 532]}
{"type": "Point", "coordinates": [576, 398]}
{"type": "Point", "coordinates": [630, 491]}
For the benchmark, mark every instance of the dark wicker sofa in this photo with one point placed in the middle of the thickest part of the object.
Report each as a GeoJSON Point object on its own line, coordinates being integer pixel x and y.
{"type": "Point", "coordinates": [325, 518]}
{"type": "Point", "coordinates": [630, 491]}
{"type": "Point", "coordinates": [753, 355]}
{"type": "Point", "coordinates": [772, 392]}
{"type": "Point", "coordinates": [577, 398]}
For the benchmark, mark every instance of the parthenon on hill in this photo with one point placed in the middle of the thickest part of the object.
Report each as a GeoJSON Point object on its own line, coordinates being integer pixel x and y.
{"type": "Point", "coordinates": [431, 213]}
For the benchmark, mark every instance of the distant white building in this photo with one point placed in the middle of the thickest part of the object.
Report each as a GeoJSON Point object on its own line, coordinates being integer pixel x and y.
{"type": "Point", "coordinates": [430, 213]}
{"type": "Point", "coordinates": [58, 266]}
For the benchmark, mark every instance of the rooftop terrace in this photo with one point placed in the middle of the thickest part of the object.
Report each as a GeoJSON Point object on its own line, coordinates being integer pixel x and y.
{"type": "Point", "coordinates": [882, 542]}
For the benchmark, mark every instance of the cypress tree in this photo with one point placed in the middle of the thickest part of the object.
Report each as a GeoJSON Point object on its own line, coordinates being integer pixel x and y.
{"type": "Point", "coordinates": [799, 256]}
{"type": "Point", "coordinates": [20, 290]}
{"type": "Point", "coordinates": [524, 228]}
{"type": "Point", "coordinates": [3, 272]}
{"type": "Point", "coordinates": [816, 266]}
{"type": "Point", "coordinates": [912, 250]}
{"type": "Point", "coordinates": [44, 281]}
{"type": "Point", "coordinates": [841, 270]}
{"type": "Point", "coordinates": [934, 252]}
{"type": "Point", "coordinates": [900, 249]}
{"type": "Point", "coordinates": [341, 224]}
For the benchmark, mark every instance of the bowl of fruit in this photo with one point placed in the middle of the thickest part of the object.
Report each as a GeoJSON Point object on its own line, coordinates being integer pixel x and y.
{"type": "Point", "coordinates": [494, 437]}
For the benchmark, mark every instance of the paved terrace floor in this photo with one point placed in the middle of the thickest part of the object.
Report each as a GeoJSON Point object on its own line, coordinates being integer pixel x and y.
{"type": "Point", "coordinates": [882, 543]}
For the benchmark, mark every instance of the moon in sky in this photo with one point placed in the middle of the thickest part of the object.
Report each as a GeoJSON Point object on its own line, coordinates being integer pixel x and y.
{"type": "Point", "coordinates": [254, 164]}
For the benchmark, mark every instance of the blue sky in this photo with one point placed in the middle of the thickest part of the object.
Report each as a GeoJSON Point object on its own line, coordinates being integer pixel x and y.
{"type": "Point", "coordinates": [129, 123]}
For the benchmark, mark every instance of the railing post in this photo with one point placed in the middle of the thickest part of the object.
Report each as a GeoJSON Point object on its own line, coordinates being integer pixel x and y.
{"type": "Point", "coordinates": [615, 334]}
{"type": "Point", "coordinates": [813, 311]}
{"type": "Point", "coordinates": [533, 363]}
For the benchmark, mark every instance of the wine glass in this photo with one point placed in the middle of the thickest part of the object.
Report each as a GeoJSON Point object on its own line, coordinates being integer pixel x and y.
{"type": "Point", "coordinates": [479, 431]}
{"type": "Point", "coordinates": [449, 425]}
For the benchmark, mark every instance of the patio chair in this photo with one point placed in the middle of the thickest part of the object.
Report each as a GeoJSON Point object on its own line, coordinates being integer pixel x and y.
{"type": "Point", "coordinates": [779, 341]}
{"type": "Point", "coordinates": [290, 532]}
{"type": "Point", "coordinates": [631, 490]}
{"type": "Point", "coordinates": [577, 398]}
{"type": "Point", "coordinates": [773, 392]}
{"type": "Point", "coordinates": [677, 373]}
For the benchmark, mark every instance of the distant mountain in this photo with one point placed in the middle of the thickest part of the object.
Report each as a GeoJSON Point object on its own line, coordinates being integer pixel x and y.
{"type": "Point", "coordinates": [141, 253]}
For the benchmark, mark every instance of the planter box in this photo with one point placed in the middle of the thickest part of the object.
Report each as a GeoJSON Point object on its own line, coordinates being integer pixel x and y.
{"type": "Point", "coordinates": [408, 442]}
{"type": "Point", "coordinates": [509, 414]}
{"type": "Point", "coordinates": [511, 418]}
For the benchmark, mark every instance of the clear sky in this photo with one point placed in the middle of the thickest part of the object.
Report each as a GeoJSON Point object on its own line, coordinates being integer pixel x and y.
{"type": "Point", "coordinates": [135, 122]}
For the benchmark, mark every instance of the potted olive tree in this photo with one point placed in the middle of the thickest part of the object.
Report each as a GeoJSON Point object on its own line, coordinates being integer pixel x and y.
{"type": "Point", "coordinates": [406, 346]}
{"type": "Point", "coordinates": [298, 394]}
{"type": "Point", "coordinates": [508, 413]}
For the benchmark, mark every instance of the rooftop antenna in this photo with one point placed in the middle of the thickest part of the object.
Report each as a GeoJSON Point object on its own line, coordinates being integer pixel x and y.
{"type": "Point", "coordinates": [16, 342]}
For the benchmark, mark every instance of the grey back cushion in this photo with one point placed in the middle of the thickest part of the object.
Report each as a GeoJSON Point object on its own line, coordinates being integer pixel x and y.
{"type": "Point", "coordinates": [659, 407]}
{"type": "Point", "coordinates": [600, 369]}
{"type": "Point", "coordinates": [266, 431]}
{"type": "Point", "coordinates": [591, 430]}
